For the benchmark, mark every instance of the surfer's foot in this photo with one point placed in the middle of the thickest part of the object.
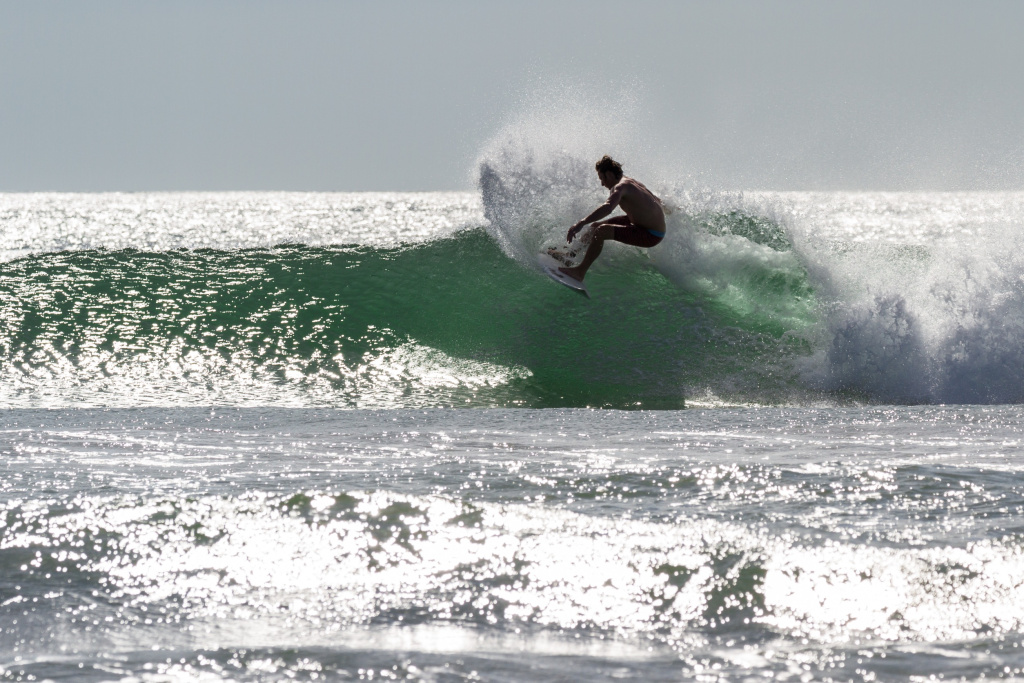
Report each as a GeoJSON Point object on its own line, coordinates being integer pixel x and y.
{"type": "Point", "coordinates": [574, 273]}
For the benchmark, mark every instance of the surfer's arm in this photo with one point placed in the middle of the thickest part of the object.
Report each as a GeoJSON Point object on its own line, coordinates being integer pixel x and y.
{"type": "Point", "coordinates": [598, 213]}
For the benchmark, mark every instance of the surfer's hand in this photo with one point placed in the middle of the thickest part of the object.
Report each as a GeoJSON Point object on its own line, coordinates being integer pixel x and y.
{"type": "Point", "coordinates": [572, 232]}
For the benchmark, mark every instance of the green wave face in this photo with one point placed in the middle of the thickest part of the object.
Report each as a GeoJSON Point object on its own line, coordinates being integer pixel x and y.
{"type": "Point", "coordinates": [452, 322]}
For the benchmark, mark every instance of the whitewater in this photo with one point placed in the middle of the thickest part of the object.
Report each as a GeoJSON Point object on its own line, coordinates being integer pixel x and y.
{"type": "Point", "coordinates": [359, 436]}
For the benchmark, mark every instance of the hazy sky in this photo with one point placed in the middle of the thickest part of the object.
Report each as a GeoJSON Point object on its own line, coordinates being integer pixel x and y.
{"type": "Point", "coordinates": [301, 95]}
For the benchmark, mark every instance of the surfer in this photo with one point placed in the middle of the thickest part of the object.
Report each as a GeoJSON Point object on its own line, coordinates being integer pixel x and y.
{"type": "Point", "coordinates": [642, 226]}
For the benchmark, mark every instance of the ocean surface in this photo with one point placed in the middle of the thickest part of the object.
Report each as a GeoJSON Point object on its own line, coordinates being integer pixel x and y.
{"type": "Point", "coordinates": [297, 436]}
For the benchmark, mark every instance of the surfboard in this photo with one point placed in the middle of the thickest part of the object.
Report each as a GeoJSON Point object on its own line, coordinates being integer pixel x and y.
{"type": "Point", "coordinates": [551, 268]}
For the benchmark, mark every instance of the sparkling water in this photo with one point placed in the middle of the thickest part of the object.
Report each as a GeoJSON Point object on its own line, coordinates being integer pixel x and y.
{"type": "Point", "coordinates": [270, 436]}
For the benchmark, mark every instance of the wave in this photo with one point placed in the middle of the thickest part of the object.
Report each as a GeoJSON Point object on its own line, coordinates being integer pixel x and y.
{"type": "Point", "coordinates": [451, 322]}
{"type": "Point", "coordinates": [738, 305]}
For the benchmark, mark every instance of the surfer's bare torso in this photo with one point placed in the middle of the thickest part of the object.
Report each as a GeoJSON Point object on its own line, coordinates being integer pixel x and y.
{"type": "Point", "coordinates": [640, 204]}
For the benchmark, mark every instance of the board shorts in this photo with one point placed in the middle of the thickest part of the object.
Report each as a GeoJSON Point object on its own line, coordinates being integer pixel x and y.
{"type": "Point", "coordinates": [637, 236]}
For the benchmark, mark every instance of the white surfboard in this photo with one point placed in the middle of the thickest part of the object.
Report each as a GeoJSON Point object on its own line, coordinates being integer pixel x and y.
{"type": "Point", "coordinates": [551, 266]}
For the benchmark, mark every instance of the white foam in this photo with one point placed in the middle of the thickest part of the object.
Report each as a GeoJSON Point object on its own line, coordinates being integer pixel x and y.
{"type": "Point", "coordinates": [938, 318]}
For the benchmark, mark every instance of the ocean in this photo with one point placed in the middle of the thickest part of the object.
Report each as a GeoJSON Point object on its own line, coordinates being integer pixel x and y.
{"type": "Point", "coordinates": [359, 436]}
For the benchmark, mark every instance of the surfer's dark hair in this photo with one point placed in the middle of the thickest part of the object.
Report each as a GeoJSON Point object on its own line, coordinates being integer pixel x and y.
{"type": "Point", "coordinates": [609, 165]}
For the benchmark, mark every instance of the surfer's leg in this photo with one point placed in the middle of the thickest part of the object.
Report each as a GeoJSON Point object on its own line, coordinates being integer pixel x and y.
{"type": "Point", "coordinates": [616, 220]}
{"type": "Point", "coordinates": [567, 257]}
{"type": "Point", "coordinates": [597, 238]}
{"type": "Point", "coordinates": [619, 229]}
{"type": "Point", "coordinates": [635, 236]}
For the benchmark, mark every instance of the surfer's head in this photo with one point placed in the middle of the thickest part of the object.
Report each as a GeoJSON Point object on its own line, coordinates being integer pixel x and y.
{"type": "Point", "coordinates": [609, 171]}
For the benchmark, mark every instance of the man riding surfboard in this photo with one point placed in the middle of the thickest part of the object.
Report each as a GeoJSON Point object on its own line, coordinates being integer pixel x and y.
{"type": "Point", "coordinates": [642, 226]}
